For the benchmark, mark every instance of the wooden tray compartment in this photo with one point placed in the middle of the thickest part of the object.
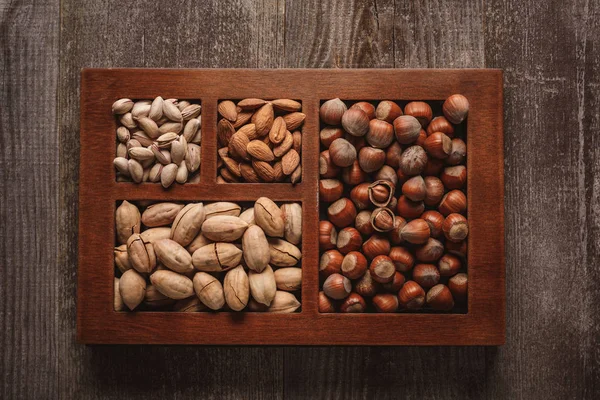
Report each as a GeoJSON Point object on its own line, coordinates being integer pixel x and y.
{"type": "Point", "coordinates": [97, 322]}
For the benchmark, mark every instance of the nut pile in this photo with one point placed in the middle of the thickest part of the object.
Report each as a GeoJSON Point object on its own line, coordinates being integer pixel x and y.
{"type": "Point", "coordinates": [392, 187]}
{"type": "Point", "coordinates": [157, 141]}
{"type": "Point", "coordinates": [260, 141]}
{"type": "Point", "coordinates": [201, 257]}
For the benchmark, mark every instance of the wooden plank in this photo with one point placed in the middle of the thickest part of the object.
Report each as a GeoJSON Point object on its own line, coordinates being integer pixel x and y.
{"type": "Point", "coordinates": [28, 199]}
{"type": "Point", "coordinates": [551, 60]}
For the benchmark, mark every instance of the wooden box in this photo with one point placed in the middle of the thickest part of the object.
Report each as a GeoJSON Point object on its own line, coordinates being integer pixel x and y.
{"type": "Point", "coordinates": [97, 322]}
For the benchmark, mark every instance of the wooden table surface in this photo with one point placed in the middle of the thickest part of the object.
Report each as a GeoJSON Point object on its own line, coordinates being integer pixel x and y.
{"type": "Point", "coordinates": [550, 52]}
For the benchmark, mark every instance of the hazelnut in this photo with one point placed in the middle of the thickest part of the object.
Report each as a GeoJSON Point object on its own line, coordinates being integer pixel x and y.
{"type": "Point", "coordinates": [360, 196]}
{"type": "Point", "coordinates": [371, 159]}
{"type": "Point", "coordinates": [412, 161]}
{"type": "Point", "coordinates": [337, 287]}
{"type": "Point", "coordinates": [388, 111]}
{"type": "Point", "coordinates": [327, 169]}
{"type": "Point", "coordinates": [426, 275]}
{"type": "Point", "coordinates": [393, 204]}
{"type": "Point", "coordinates": [420, 110]}
{"type": "Point", "coordinates": [434, 191]}
{"type": "Point", "coordinates": [382, 269]}
{"type": "Point", "coordinates": [455, 227]}
{"type": "Point", "coordinates": [458, 152]}
{"type": "Point", "coordinates": [414, 188]}
{"type": "Point", "coordinates": [440, 124]}
{"type": "Point", "coordinates": [327, 235]}
{"type": "Point", "coordinates": [411, 296]}
{"type": "Point", "coordinates": [453, 202]}
{"type": "Point", "coordinates": [362, 223]}
{"type": "Point", "coordinates": [385, 302]}
{"type": "Point", "coordinates": [366, 107]}
{"type": "Point", "coordinates": [381, 192]}
{"type": "Point", "coordinates": [433, 167]}
{"type": "Point", "coordinates": [407, 129]}
{"type": "Point", "coordinates": [458, 249]}
{"type": "Point", "coordinates": [366, 286]}
{"type": "Point", "coordinates": [438, 145]}
{"type": "Point", "coordinates": [440, 298]}
{"type": "Point", "coordinates": [435, 221]}
{"type": "Point", "coordinates": [380, 134]}
{"type": "Point", "coordinates": [431, 251]}
{"type": "Point", "coordinates": [357, 141]}
{"type": "Point", "coordinates": [394, 235]}
{"type": "Point", "coordinates": [330, 190]}
{"type": "Point", "coordinates": [355, 122]}
{"type": "Point", "coordinates": [354, 265]}
{"type": "Point", "coordinates": [449, 265]}
{"type": "Point", "coordinates": [408, 208]}
{"type": "Point", "coordinates": [329, 134]}
{"type": "Point", "coordinates": [342, 212]}
{"type": "Point", "coordinates": [331, 111]}
{"type": "Point", "coordinates": [392, 155]}
{"type": "Point", "coordinates": [387, 173]}
{"type": "Point", "coordinates": [402, 177]}
{"type": "Point", "coordinates": [354, 303]}
{"type": "Point", "coordinates": [330, 263]}
{"type": "Point", "coordinates": [396, 284]}
{"type": "Point", "coordinates": [376, 245]}
{"type": "Point", "coordinates": [382, 219]}
{"type": "Point", "coordinates": [416, 231]}
{"type": "Point", "coordinates": [454, 177]}
{"type": "Point", "coordinates": [325, 304]}
{"type": "Point", "coordinates": [456, 108]}
{"type": "Point", "coordinates": [458, 287]}
{"type": "Point", "coordinates": [421, 139]}
{"type": "Point", "coordinates": [353, 175]}
{"type": "Point", "coordinates": [403, 259]}
{"type": "Point", "coordinates": [342, 153]}
{"type": "Point", "coordinates": [348, 240]}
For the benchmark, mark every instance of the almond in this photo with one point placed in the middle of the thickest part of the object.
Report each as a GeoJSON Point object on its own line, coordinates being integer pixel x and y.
{"type": "Point", "coordinates": [237, 146]}
{"type": "Point", "coordinates": [263, 119]}
{"type": "Point", "coordinates": [242, 119]}
{"type": "Point", "coordinates": [264, 170]}
{"type": "Point", "coordinates": [278, 172]}
{"type": "Point", "coordinates": [248, 173]}
{"type": "Point", "coordinates": [278, 131]}
{"type": "Point", "coordinates": [287, 105]}
{"type": "Point", "coordinates": [233, 166]}
{"type": "Point", "coordinates": [290, 161]}
{"type": "Point", "coordinates": [284, 146]}
{"type": "Point", "coordinates": [294, 120]}
{"type": "Point", "coordinates": [260, 151]}
{"type": "Point", "coordinates": [250, 131]}
{"type": "Point", "coordinates": [228, 110]}
{"type": "Point", "coordinates": [224, 131]}
{"type": "Point", "coordinates": [251, 104]}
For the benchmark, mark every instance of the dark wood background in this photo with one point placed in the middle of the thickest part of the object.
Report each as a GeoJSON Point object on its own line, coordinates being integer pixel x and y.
{"type": "Point", "coordinates": [550, 52]}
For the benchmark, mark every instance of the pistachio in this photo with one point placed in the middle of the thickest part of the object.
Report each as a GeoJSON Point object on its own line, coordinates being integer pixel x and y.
{"type": "Point", "coordinates": [156, 111]}
{"type": "Point", "coordinates": [263, 285]}
{"type": "Point", "coordinates": [236, 288]}
{"type": "Point", "coordinates": [122, 106]}
{"type": "Point", "coordinates": [209, 290]}
{"type": "Point", "coordinates": [172, 284]}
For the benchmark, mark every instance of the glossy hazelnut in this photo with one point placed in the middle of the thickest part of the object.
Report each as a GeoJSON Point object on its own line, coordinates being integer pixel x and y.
{"type": "Point", "coordinates": [454, 177]}
{"type": "Point", "coordinates": [393, 204]}
{"type": "Point", "coordinates": [421, 139]}
{"type": "Point", "coordinates": [438, 145]}
{"type": "Point", "coordinates": [330, 190]}
{"type": "Point", "coordinates": [381, 192]}
{"type": "Point", "coordinates": [376, 245]}
{"type": "Point", "coordinates": [360, 196]}
{"type": "Point", "coordinates": [330, 263]}
{"type": "Point", "coordinates": [371, 159]}
{"type": "Point", "coordinates": [353, 175]}
{"type": "Point", "coordinates": [348, 240]}
{"type": "Point", "coordinates": [355, 122]}
{"type": "Point", "coordinates": [329, 134]}
{"type": "Point", "coordinates": [449, 265]}
{"type": "Point", "coordinates": [357, 141]}
{"type": "Point", "coordinates": [420, 110]}
{"type": "Point", "coordinates": [414, 188]}
{"type": "Point", "coordinates": [366, 107]}
{"type": "Point", "coordinates": [382, 269]}
{"type": "Point", "coordinates": [327, 235]}
{"type": "Point", "coordinates": [434, 189]}
{"type": "Point", "coordinates": [430, 252]}
{"type": "Point", "coordinates": [413, 160]}
{"type": "Point", "coordinates": [456, 108]}
{"type": "Point", "coordinates": [458, 285]}
{"type": "Point", "coordinates": [455, 227]}
{"type": "Point", "coordinates": [387, 173]}
{"type": "Point", "coordinates": [327, 169]}
{"type": "Point", "coordinates": [411, 296]}
{"type": "Point", "coordinates": [407, 129]}
{"type": "Point", "coordinates": [435, 220]}
{"type": "Point", "coordinates": [416, 231]}
{"type": "Point", "coordinates": [354, 303]}
{"type": "Point", "coordinates": [362, 223]}
{"type": "Point", "coordinates": [392, 155]}
{"type": "Point", "coordinates": [380, 134]}
{"type": "Point", "coordinates": [342, 212]}
{"type": "Point", "coordinates": [331, 111]}
{"type": "Point", "coordinates": [354, 265]}
{"type": "Point", "coordinates": [426, 275]}
{"type": "Point", "coordinates": [458, 152]}
{"type": "Point", "coordinates": [440, 298]}
{"type": "Point", "coordinates": [433, 167]}
{"type": "Point", "coordinates": [395, 234]}
{"type": "Point", "coordinates": [396, 284]}
{"type": "Point", "coordinates": [388, 111]}
{"type": "Point", "coordinates": [382, 219]}
{"type": "Point", "coordinates": [385, 302]}
{"type": "Point", "coordinates": [337, 287]}
{"type": "Point", "coordinates": [325, 304]}
{"type": "Point", "coordinates": [342, 153]}
{"type": "Point", "coordinates": [458, 249]}
{"type": "Point", "coordinates": [440, 124]}
{"type": "Point", "coordinates": [409, 209]}
{"type": "Point", "coordinates": [403, 259]}
{"type": "Point", "coordinates": [454, 201]}
{"type": "Point", "coordinates": [366, 286]}
{"type": "Point", "coordinates": [402, 177]}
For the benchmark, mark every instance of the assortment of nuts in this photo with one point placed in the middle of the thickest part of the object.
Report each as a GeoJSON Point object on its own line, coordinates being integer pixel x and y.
{"type": "Point", "coordinates": [392, 190]}
{"type": "Point", "coordinates": [201, 257]}
{"type": "Point", "coordinates": [157, 141]}
{"type": "Point", "coordinates": [260, 141]}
